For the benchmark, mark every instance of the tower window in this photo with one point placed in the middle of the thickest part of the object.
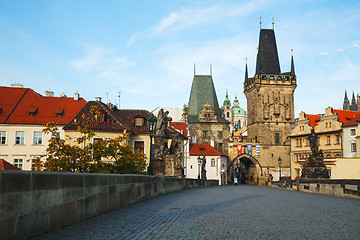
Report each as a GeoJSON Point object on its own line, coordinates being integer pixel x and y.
{"type": "Point", "coordinates": [277, 138]}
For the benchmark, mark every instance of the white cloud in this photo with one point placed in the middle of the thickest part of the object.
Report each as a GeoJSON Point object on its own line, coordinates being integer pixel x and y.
{"type": "Point", "coordinates": [101, 59]}
{"type": "Point", "coordinates": [355, 44]}
{"type": "Point", "coordinates": [200, 16]}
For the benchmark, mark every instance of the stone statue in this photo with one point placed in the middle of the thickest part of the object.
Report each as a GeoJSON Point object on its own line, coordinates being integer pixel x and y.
{"type": "Point", "coordinates": [161, 123]}
{"type": "Point", "coordinates": [175, 147]}
{"type": "Point", "coordinates": [203, 170]}
{"type": "Point", "coordinates": [314, 166]}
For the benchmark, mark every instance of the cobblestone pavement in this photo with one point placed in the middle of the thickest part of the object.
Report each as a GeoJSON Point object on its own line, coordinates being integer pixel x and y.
{"type": "Point", "coordinates": [225, 212]}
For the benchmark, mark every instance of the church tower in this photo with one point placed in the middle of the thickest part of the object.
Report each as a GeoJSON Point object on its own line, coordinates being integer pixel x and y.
{"type": "Point", "coordinates": [270, 104]}
{"type": "Point", "coordinates": [227, 108]}
{"type": "Point", "coordinates": [353, 106]}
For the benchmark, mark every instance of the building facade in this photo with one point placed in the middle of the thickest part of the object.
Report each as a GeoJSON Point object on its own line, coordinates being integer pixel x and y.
{"type": "Point", "coordinates": [23, 113]}
{"type": "Point", "coordinates": [332, 141]}
{"type": "Point", "coordinates": [215, 166]}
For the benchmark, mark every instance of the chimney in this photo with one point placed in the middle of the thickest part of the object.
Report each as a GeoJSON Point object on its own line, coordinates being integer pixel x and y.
{"type": "Point", "coordinates": [76, 97]}
{"type": "Point", "coordinates": [62, 95]}
{"type": "Point", "coordinates": [98, 99]}
{"type": "Point", "coordinates": [17, 85]}
{"type": "Point", "coordinates": [49, 93]}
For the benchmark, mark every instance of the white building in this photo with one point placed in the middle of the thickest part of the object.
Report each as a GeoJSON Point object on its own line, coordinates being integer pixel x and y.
{"type": "Point", "coordinates": [216, 162]}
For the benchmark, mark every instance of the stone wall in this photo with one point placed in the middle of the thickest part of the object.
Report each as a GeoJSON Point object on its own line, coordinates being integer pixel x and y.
{"type": "Point", "coordinates": [32, 203]}
{"type": "Point", "coordinates": [342, 188]}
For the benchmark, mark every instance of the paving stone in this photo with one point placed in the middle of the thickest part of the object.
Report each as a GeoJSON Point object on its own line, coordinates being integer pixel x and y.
{"type": "Point", "coordinates": [225, 212]}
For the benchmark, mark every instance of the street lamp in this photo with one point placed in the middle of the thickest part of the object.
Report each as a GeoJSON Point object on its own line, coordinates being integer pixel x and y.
{"type": "Point", "coordinates": [279, 161]}
{"type": "Point", "coordinates": [151, 124]}
{"type": "Point", "coordinates": [199, 162]}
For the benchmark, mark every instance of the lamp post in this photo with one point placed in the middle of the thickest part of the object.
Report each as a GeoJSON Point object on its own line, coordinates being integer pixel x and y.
{"type": "Point", "coordinates": [279, 161]}
{"type": "Point", "coordinates": [199, 162]}
{"type": "Point", "coordinates": [151, 124]}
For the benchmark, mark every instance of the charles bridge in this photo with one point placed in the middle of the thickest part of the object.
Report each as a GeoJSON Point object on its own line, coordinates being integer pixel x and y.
{"type": "Point", "coordinates": [48, 205]}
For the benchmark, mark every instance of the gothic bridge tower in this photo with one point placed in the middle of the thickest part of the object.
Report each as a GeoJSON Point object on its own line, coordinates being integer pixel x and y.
{"type": "Point", "coordinates": [270, 105]}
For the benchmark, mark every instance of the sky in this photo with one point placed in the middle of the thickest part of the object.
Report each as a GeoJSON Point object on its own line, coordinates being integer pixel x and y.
{"type": "Point", "coordinates": [145, 51]}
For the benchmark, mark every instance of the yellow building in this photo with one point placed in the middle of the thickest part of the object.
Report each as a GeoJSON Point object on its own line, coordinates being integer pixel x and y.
{"type": "Point", "coordinates": [328, 127]}
{"type": "Point", "coordinates": [110, 122]}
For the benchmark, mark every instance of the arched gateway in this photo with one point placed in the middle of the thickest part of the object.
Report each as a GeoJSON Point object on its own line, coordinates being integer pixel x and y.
{"type": "Point", "coordinates": [247, 168]}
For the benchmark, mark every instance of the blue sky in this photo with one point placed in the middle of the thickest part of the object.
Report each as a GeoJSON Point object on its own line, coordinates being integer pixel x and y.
{"type": "Point", "coordinates": [147, 49]}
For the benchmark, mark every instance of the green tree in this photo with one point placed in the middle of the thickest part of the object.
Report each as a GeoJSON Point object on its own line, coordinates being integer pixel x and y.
{"type": "Point", "coordinates": [104, 156]}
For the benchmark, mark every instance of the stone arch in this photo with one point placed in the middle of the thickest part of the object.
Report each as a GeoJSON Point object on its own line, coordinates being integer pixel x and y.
{"type": "Point", "coordinates": [250, 167]}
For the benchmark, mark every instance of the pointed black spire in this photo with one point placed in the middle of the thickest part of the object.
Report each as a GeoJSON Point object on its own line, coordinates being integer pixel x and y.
{"type": "Point", "coordinates": [353, 106]}
{"type": "Point", "coordinates": [346, 104]}
{"type": "Point", "coordinates": [246, 72]}
{"type": "Point", "coordinates": [292, 63]}
{"type": "Point", "coordinates": [267, 58]}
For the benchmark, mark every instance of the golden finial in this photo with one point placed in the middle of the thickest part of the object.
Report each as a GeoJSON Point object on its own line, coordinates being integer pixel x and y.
{"type": "Point", "coordinates": [260, 22]}
{"type": "Point", "coordinates": [246, 60]}
{"type": "Point", "coordinates": [273, 22]}
{"type": "Point", "coordinates": [292, 52]}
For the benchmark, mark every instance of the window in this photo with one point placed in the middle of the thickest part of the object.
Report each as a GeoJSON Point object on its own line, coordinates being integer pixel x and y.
{"type": "Point", "coordinates": [353, 147]}
{"type": "Point", "coordinates": [204, 133]}
{"type": "Point", "coordinates": [139, 121]}
{"type": "Point", "coordinates": [220, 135]}
{"type": "Point", "coordinates": [20, 138]}
{"type": "Point", "coordinates": [54, 134]}
{"type": "Point", "coordinates": [328, 142]}
{"type": "Point", "coordinates": [37, 140]}
{"type": "Point", "coordinates": [277, 138]}
{"type": "Point", "coordinates": [18, 162]}
{"type": "Point", "coordinates": [227, 114]}
{"type": "Point", "coordinates": [2, 137]}
{"type": "Point", "coordinates": [213, 162]}
{"type": "Point", "coordinates": [352, 132]}
{"type": "Point", "coordinates": [337, 139]}
{"type": "Point", "coordinates": [220, 147]}
{"type": "Point", "coordinates": [139, 146]}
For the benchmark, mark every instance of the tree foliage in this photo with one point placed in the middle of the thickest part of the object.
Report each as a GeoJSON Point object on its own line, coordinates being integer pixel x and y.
{"type": "Point", "coordinates": [103, 156]}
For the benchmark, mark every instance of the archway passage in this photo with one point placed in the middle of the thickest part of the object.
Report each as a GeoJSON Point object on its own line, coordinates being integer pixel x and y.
{"type": "Point", "coordinates": [246, 168]}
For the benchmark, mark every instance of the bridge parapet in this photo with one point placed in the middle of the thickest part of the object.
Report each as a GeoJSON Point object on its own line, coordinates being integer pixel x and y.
{"type": "Point", "coordinates": [32, 203]}
{"type": "Point", "coordinates": [334, 187]}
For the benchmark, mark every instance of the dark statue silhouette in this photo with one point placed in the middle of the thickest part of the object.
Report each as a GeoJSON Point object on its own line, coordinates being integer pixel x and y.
{"type": "Point", "coordinates": [314, 166]}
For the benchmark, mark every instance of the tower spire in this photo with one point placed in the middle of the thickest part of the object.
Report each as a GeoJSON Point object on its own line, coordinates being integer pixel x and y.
{"type": "Point", "coordinates": [246, 71]}
{"type": "Point", "coordinates": [194, 70]}
{"type": "Point", "coordinates": [346, 104]}
{"type": "Point", "coordinates": [292, 63]}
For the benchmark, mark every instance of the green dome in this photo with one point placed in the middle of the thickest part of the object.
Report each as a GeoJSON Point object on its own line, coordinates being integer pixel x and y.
{"type": "Point", "coordinates": [238, 110]}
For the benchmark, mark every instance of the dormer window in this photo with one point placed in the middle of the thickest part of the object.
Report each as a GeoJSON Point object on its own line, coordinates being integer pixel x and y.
{"type": "Point", "coordinates": [139, 121]}
{"type": "Point", "coordinates": [59, 112]}
{"type": "Point", "coordinates": [33, 111]}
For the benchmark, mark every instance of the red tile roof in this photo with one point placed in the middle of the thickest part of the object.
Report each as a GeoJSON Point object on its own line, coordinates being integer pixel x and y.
{"type": "Point", "coordinates": [353, 122]}
{"type": "Point", "coordinates": [4, 165]}
{"type": "Point", "coordinates": [181, 126]}
{"type": "Point", "coordinates": [345, 116]}
{"type": "Point", "coordinates": [19, 104]}
{"type": "Point", "coordinates": [313, 119]}
{"type": "Point", "coordinates": [203, 149]}
{"type": "Point", "coordinates": [110, 122]}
